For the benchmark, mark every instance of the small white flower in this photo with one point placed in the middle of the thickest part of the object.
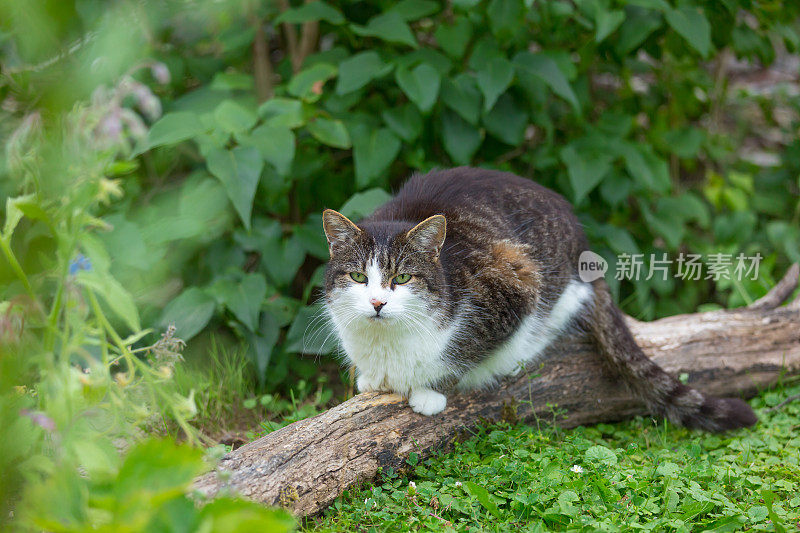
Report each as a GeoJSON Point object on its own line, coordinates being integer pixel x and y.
{"type": "Point", "coordinates": [160, 72]}
{"type": "Point", "coordinates": [412, 485]}
{"type": "Point", "coordinates": [458, 483]}
{"type": "Point", "coordinates": [578, 469]}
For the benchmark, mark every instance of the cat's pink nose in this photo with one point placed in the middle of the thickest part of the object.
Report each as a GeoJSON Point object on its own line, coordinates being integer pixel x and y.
{"type": "Point", "coordinates": [377, 304]}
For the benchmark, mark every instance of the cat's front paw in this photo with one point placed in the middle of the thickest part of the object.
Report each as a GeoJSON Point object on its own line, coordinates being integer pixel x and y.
{"type": "Point", "coordinates": [366, 383]}
{"type": "Point", "coordinates": [427, 402]}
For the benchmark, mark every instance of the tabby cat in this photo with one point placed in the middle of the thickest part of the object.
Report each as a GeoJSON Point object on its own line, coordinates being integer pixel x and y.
{"type": "Point", "coordinates": [468, 274]}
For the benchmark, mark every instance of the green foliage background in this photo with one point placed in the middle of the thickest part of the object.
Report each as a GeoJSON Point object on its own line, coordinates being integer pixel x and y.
{"type": "Point", "coordinates": [623, 107]}
{"type": "Point", "coordinates": [167, 163]}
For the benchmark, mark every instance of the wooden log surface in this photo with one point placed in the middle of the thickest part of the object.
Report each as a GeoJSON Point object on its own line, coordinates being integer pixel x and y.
{"type": "Point", "coordinates": [306, 465]}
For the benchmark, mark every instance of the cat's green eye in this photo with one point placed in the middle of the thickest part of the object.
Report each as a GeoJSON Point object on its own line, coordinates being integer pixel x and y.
{"type": "Point", "coordinates": [401, 278]}
{"type": "Point", "coordinates": [358, 277]}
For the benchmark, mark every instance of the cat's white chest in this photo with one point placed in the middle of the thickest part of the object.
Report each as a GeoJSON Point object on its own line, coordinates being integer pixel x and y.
{"type": "Point", "coordinates": [397, 359]}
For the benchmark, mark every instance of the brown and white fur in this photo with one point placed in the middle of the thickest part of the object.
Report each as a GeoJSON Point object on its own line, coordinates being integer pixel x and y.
{"type": "Point", "coordinates": [493, 263]}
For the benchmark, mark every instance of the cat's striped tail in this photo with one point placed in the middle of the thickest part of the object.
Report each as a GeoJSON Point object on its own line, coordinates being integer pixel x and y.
{"type": "Point", "coordinates": [663, 394]}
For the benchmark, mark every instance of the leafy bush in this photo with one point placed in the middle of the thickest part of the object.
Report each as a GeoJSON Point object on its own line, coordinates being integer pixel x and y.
{"type": "Point", "coordinates": [77, 400]}
{"type": "Point", "coordinates": [624, 107]}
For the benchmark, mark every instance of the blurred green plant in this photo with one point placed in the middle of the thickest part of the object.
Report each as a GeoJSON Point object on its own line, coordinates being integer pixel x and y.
{"type": "Point", "coordinates": [80, 390]}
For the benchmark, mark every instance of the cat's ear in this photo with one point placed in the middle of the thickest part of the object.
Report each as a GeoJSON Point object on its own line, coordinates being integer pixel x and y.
{"type": "Point", "coordinates": [429, 234]}
{"type": "Point", "coordinates": [338, 229]}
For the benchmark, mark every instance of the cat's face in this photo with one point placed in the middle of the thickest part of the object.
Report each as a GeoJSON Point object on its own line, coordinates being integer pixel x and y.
{"type": "Point", "coordinates": [384, 274]}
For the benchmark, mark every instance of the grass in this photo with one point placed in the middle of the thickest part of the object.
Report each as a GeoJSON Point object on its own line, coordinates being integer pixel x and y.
{"type": "Point", "coordinates": [232, 409]}
{"type": "Point", "coordinates": [636, 475]}
{"type": "Point", "coordinates": [609, 477]}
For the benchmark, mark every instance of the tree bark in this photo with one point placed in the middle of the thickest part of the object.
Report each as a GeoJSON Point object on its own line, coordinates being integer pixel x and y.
{"type": "Point", "coordinates": [306, 465]}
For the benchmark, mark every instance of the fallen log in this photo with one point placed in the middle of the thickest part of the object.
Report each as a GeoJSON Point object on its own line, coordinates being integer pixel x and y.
{"type": "Point", "coordinates": [306, 465]}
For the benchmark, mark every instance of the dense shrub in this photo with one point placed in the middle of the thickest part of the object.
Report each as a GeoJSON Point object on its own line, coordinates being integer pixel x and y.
{"type": "Point", "coordinates": [624, 107]}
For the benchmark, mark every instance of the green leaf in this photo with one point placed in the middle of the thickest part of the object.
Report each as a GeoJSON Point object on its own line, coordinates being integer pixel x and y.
{"type": "Point", "coordinates": [461, 139]}
{"type": "Point", "coordinates": [585, 170]}
{"type": "Point", "coordinates": [389, 27]}
{"type": "Point", "coordinates": [494, 80]}
{"type": "Point", "coordinates": [281, 257]}
{"type": "Point", "coordinates": [636, 28]}
{"type": "Point", "coordinates": [668, 469]}
{"type": "Point", "coordinates": [330, 131]}
{"type": "Point", "coordinates": [125, 243]}
{"type": "Point", "coordinates": [285, 112]}
{"type": "Point", "coordinates": [619, 239]}
{"type": "Point", "coordinates": [239, 171]}
{"type": "Point", "coordinates": [177, 514]}
{"type": "Point", "coordinates": [97, 456]}
{"type": "Point", "coordinates": [602, 455]}
{"type": "Point", "coordinates": [482, 495]}
{"type": "Point", "coordinates": [421, 85]}
{"type": "Point", "coordinates": [306, 84]}
{"type": "Point", "coordinates": [241, 516]}
{"type": "Point", "coordinates": [190, 312]}
{"type": "Point", "coordinates": [414, 9]}
{"type": "Point", "coordinates": [461, 94]}
{"type": "Point", "coordinates": [261, 345]}
{"type": "Point", "coordinates": [658, 5]}
{"type": "Point", "coordinates": [667, 225]}
{"type": "Point", "coordinates": [308, 334]}
{"type": "Point", "coordinates": [434, 58]}
{"type": "Point", "coordinates": [692, 25]}
{"type": "Point", "coordinates": [242, 297]}
{"type": "Point", "coordinates": [769, 498]}
{"type": "Point", "coordinates": [645, 167]}
{"type": "Point", "coordinates": [358, 70]}
{"type": "Point", "coordinates": [232, 81]}
{"type": "Point", "coordinates": [606, 22]}
{"type": "Point", "coordinates": [546, 69]}
{"type": "Point", "coordinates": [505, 17]}
{"type": "Point", "coordinates": [156, 468]}
{"type": "Point", "coordinates": [687, 206]}
{"type": "Point", "coordinates": [757, 513]}
{"type": "Point", "coordinates": [685, 142]}
{"type": "Point", "coordinates": [726, 524]}
{"type": "Point", "coordinates": [311, 238]}
{"type": "Point", "coordinates": [233, 117]}
{"type": "Point", "coordinates": [276, 144]}
{"type": "Point", "coordinates": [114, 294]}
{"type": "Point", "coordinates": [310, 12]}
{"type": "Point", "coordinates": [405, 121]}
{"type": "Point", "coordinates": [173, 128]}
{"type": "Point", "coordinates": [616, 187]}
{"type": "Point", "coordinates": [362, 204]}
{"type": "Point", "coordinates": [14, 214]}
{"type": "Point", "coordinates": [373, 153]}
{"type": "Point", "coordinates": [507, 120]}
{"type": "Point", "coordinates": [454, 38]}
{"type": "Point", "coordinates": [484, 50]}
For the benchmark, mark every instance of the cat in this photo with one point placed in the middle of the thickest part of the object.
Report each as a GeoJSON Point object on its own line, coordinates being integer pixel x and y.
{"type": "Point", "coordinates": [467, 275]}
